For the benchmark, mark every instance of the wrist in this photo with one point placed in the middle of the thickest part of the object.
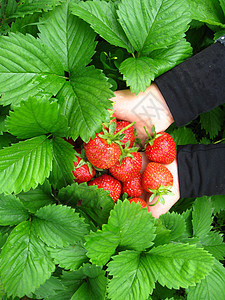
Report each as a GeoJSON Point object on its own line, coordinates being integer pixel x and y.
{"type": "Point", "coordinates": [159, 109]}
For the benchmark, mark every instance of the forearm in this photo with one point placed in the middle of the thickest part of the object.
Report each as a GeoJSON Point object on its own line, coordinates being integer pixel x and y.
{"type": "Point", "coordinates": [201, 170]}
{"type": "Point", "coordinates": [196, 85]}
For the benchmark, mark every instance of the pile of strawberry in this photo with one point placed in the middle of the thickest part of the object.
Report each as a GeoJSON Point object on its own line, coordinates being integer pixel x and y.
{"type": "Point", "coordinates": [113, 162]}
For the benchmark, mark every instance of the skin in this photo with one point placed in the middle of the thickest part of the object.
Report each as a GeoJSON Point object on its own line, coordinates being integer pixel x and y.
{"type": "Point", "coordinates": [148, 109]}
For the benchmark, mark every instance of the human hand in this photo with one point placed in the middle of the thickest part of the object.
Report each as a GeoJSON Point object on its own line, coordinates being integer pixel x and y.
{"type": "Point", "coordinates": [170, 200]}
{"type": "Point", "coordinates": [146, 109]}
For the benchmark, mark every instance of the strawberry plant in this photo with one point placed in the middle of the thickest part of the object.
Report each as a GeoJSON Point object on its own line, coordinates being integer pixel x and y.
{"type": "Point", "coordinates": [61, 238]}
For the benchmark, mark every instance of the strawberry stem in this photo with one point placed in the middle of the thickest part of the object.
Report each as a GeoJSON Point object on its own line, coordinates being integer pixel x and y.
{"type": "Point", "coordinates": [147, 133]}
{"type": "Point", "coordinates": [123, 129]}
{"type": "Point", "coordinates": [158, 200]}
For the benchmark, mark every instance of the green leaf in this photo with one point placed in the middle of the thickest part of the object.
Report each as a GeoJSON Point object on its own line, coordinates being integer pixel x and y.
{"type": "Point", "coordinates": [12, 211]}
{"type": "Point", "coordinates": [151, 25]}
{"type": "Point", "coordinates": [93, 285]}
{"type": "Point", "coordinates": [27, 24]}
{"type": "Point", "coordinates": [49, 288]}
{"type": "Point", "coordinates": [179, 265]}
{"type": "Point", "coordinates": [222, 4]}
{"type": "Point", "coordinates": [213, 242]}
{"type": "Point", "coordinates": [4, 111]}
{"type": "Point", "coordinates": [167, 58]}
{"type": "Point", "coordinates": [202, 217]}
{"type": "Point", "coordinates": [129, 227]}
{"type": "Point", "coordinates": [162, 292]}
{"type": "Point", "coordinates": [205, 141]}
{"type": "Point", "coordinates": [27, 68]}
{"type": "Point", "coordinates": [101, 245]}
{"type": "Point", "coordinates": [175, 223]}
{"type": "Point", "coordinates": [88, 282]}
{"type": "Point", "coordinates": [59, 225]}
{"type": "Point", "coordinates": [212, 121]}
{"type": "Point", "coordinates": [24, 262]}
{"type": "Point", "coordinates": [96, 203]}
{"type": "Point", "coordinates": [162, 233]}
{"type": "Point", "coordinates": [218, 34]}
{"type": "Point", "coordinates": [70, 257]}
{"type": "Point", "coordinates": [187, 215]}
{"type": "Point", "coordinates": [211, 287]}
{"type": "Point", "coordinates": [103, 19]}
{"type": "Point", "coordinates": [37, 198]}
{"type": "Point", "coordinates": [138, 73]}
{"type": "Point", "coordinates": [183, 136]}
{"type": "Point", "coordinates": [10, 7]}
{"type": "Point", "coordinates": [36, 117]}
{"type": "Point", "coordinates": [206, 11]}
{"type": "Point", "coordinates": [31, 6]}
{"type": "Point", "coordinates": [71, 38]}
{"type": "Point", "coordinates": [24, 165]}
{"type": "Point", "coordinates": [218, 203]}
{"type": "Point", "coordinates": [85, 96]}
{"type": "Point", "coordinates": [85, 102]}
{"type": "Point", "coordinates": [132, 277]}
{"type": "Point", "coordinates": [6, 139]}
{"type": "Point", "coordinates": [62, 165]}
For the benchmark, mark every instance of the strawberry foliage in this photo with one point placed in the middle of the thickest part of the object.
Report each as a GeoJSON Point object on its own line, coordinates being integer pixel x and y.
{"type": "Point", "coordinates": [60, 62]}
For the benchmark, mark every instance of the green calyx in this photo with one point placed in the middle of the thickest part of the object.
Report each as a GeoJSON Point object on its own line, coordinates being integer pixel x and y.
{"type": "Point", "coordinates": [160, 192]}
{"type": "Point", "coordinates": [127, 152]}
{"type": "Point", "coordinates": [83, 161]}
{"type": "Point", "coordinates": [111, 117]}
{"type": "Point", "coordinates": [150, 138]}
{"type": "Point", "coordinates": [110, 136]}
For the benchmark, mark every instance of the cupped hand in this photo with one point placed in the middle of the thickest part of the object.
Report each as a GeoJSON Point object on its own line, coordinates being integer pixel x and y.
{"type": "Point", "coordinates": [146, 109]}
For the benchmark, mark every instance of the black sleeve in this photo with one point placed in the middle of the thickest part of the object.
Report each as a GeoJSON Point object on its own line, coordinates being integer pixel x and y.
{"type": "Point", "coordinates": [195, 86]}
{"type": "Point", "coordinates": [201, 170]}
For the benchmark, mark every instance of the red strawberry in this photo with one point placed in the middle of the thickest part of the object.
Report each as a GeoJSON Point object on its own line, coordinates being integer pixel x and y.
{"type": "Point", "coordinates": [102, 154]}
{"type": "Point", "coordinates": [157, 179]}
{"type": "Point", "coordinates": [129, 133]}
{"type": "Point", "coordinates": [141, 201]}
{"type": "Point", "coordinates": [128, 168]}
{"type": "Point", "coordinates": [84, 171]}
{"type": "Point", "coordinates": [133, 187]}
{"type": "Point", "coordinates": [107, 182]}
{"type": "Point", "coordinates": [161, 148]}
{"type": "Point", "coordinates": [156, 174]}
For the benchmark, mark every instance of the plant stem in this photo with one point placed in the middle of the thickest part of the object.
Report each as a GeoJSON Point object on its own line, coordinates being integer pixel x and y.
{"type": "Point", "coordinates": [123, 129]}
{"type": "Point", "coordinates": [160, 196]}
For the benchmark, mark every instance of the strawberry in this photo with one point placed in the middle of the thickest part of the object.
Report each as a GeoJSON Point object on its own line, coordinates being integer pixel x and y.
{"type": "Point", "coordinates": [160, 148]}
{"type": "Point", "coordinates": [84, 171]}
{"type": "Point", "coordinates": [141, 201]}
{"type": "Point", "coordinates": [104, 150]}
{"type": "Point", "coordinates": [101, 154]}
{"type": "Point", "coordinates": [133, 187]}
{"type": "Point", "coordinates": [129, 133]}
{"type": "Point", "coordinates": [107, 182]}
{"type": "Point", "coordinates": [158, 180]}
{"type": "Point", "coordinates": [128, 167]}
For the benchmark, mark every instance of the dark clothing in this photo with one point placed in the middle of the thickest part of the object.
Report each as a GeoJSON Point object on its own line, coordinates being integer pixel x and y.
{"type": "Point", "coordinates": [201, 170]}
{"type": "Point", "coordinates": [191, 88]}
